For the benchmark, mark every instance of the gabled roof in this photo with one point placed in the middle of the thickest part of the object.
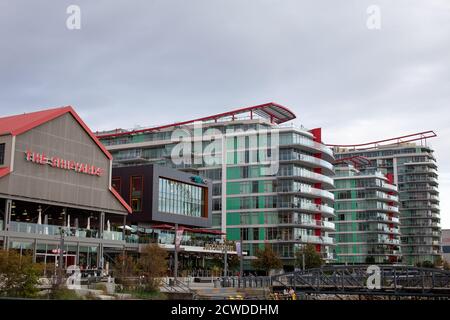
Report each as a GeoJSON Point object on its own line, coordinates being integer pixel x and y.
{"type": "Point", "coordinates": [21, 123]}
{"type": "Point", "coordinates": [18, 124]}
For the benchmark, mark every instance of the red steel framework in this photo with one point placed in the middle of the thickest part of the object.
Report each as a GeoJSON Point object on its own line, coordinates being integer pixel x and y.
{"type": "Point", "coordinates": [356, 161]}
{"type": "Point", "coordinates": [422, 136]}
{"type": "Point", "coordinates": [275, 112]}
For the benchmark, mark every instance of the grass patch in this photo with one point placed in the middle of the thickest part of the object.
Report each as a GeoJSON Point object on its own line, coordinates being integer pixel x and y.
{"type": "Point", "coordinates": [64, 294]}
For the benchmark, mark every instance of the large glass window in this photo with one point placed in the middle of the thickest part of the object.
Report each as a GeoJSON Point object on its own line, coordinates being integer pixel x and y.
{"type": "Point", "coordinates": [180, 198]}
{"type": "Point", "coordinates": [136, 193]}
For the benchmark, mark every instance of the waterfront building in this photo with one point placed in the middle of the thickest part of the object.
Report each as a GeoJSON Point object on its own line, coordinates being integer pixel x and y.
{"type": "Point", "coordinates": [55, 176]}
{"type": "Point", "coordinates": [414, 171]}
{"type": "Point", "coordinates": [270, 181]}
{"type": "Point", "coordinates": [163, 201]}
{"type": "Point", "coordinates": [367, 216]}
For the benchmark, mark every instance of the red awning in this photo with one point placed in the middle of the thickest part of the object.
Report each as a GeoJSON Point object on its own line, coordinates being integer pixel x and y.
{"type": "Point", "coordinates": [163, 226]}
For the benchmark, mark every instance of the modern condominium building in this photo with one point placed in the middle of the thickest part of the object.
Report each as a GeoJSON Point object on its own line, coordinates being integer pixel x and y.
{"type": "Point", "coordinates": [367, 216]}
{"type": "Point", "coordinates": [414, 170]}
{"type": "Point", "coordinates": [270, 181]}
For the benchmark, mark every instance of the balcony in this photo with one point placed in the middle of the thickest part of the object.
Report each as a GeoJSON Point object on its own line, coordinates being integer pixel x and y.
{"type": "Point", "coordinates": [307, 190]}
{"type": "Point", "coordinates": [388, 186]}
{"type": "Point", "coordinates": [311, 145]}
{"type": "Point", "coordinates": [316, 239]}
{"type": "Point", "coordinates": [51, 230]}
{"type": "Point", "coordinates": [394, 219]}
{"type": "Point", "coordinates": [311, 207]}
{"type": "Point", "coordinates": [421, 163]}
{"type": "Point", "coordinates": [113, 235]}
{"type": "Point", "coordinates": [309, 161]}
{"type": "Point", "coordinates": [307, 175]}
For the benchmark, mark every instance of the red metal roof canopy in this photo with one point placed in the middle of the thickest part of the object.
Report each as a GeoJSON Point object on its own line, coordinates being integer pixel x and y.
{"type": "Point", "coordinates": [356, 161]}
{"type": "Point", "coordinates": [276, 113]}
{"type": "Point", "coordinates": [391, 141]}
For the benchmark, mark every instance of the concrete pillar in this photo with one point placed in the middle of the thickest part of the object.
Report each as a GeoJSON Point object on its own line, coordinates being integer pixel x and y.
{"type": "Point", "coordinates": [77, 258]}
{"type": "Point", "coordinates": [124, 224]}
{"type": "Point", "coordinates": [8, 209]}
{"type": "Point", "coordinates": [100, 260]}
{"type": "Point", "coordinates": [34, 250]}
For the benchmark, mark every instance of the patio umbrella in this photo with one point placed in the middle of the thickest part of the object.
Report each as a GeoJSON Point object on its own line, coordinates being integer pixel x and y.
{"type": "Point", "coordinates": [68, 221]}
{"type": "Point", "coordinates": [39, 221]}
{"type": "Point", "coordinates": [128, 228]}
{"type": "Point", "coordinates": [108, 226]}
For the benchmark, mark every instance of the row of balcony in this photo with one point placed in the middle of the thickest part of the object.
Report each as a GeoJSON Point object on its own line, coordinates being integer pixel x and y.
{"type": "Point", "coordinates": [307, 175]}
{"type": "Point", "coordinates": [306, 189]}
{"type": "Point", "coordinates": [307, 207]}
{"type": "Point", "coordinates": [316, 162]}
{"type": "Point", "coordinates": [311, 144]}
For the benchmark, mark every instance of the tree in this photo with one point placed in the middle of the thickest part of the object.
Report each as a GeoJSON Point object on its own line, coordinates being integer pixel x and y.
{"type": "Point", "coordinates": [311, 256]}
{"type": "Point", "coordinates": [152, 265]}
{"type": "Point", "coordinates": [234, 262]}
{"type": "Point", "coordinates": [125, 269]}
{"type": "Point", "coordinates": [425, 264]}
{"type": "Point", "coordinates": [439, 262]}
{"type": "Point", "coordinates": [266, 259]}
{"type": "Point", "coordinates": [19, 276]}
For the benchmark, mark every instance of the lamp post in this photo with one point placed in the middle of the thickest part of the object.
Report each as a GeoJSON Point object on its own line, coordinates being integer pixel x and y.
{"type": "Point", "coordinates": [225, 263]}
{"type": "Point", "coordinates": [175, 267]}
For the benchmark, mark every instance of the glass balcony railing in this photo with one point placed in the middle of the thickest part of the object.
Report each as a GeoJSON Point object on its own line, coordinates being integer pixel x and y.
{"type": "Point", "coordinates": [306, 158]}
{"type": "Point", "coordinates": [308, 190]}
{"type": "Point", "coordinates": [113, 235]}
{"type": "Point", "coordinates": [316, 239]}
{"type": "Point", "coordinates": [51, 230]}
{"type": "Point", "coordinates": [35, 228]}
{"type": "Point", "coordinates": [395, 220]}
{"type": "Point", "coordinates": [307, 206]}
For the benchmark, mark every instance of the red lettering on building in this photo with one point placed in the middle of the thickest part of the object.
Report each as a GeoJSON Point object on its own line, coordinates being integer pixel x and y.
{"type": "Point", "coordinates": [55, 162]}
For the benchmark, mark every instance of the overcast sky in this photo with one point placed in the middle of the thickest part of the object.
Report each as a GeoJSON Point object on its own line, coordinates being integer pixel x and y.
{"type": "Point", "coordinates": [155, 62]}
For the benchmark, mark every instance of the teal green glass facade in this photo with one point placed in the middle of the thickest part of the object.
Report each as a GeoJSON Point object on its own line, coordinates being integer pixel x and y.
{"type": "Point", "coordinates": [286, 208]}
{"type": "Point", "coordinates": [414, 170]}
{"type": "Point", "coordinates": [367, 217]}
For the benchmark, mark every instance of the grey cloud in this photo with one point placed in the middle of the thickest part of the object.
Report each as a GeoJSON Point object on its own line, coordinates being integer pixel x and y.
{"type": "Point", "coordinates": [153, 62]}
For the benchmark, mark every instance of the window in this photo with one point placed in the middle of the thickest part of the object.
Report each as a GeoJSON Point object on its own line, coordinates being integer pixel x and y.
{"type": "Point", "coordinates": [136, 193]}
{"type": "Point", "coordinates": [183, 198]}
{"type": "Point", "coordinates": [255, 233]}
{"type": "Point", "coordinates": [116, 184]}
{"type": "Point", "coordinates": [2, 154]}
{"type": "Point", "coordinates": [254, 186]}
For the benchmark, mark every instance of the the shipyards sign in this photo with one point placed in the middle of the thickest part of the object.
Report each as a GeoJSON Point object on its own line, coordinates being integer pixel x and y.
{"type": "Point", "coordinates": [56, 162]}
